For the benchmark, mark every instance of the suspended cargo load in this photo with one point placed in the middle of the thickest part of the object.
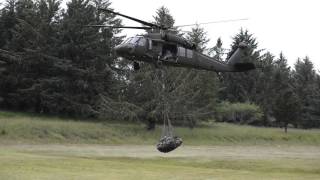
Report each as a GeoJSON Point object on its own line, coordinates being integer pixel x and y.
{"type": "Point", "coordinates": [168, 143]}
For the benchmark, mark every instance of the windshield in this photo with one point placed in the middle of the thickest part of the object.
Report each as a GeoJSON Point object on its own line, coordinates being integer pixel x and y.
{"type": "Point", "coordinates": [127, 40]}
{"type": "Point", "coordinates": [141, 41]}
{"type": "Point", "coordinates": [134, 40]}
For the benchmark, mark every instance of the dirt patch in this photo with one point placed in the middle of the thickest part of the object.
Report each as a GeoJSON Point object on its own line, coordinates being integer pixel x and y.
{"type": "Point", "coordinates": [143, 151]}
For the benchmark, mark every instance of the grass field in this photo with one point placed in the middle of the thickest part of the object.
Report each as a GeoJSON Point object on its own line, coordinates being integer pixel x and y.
{"type": "Point", "coordinates": [144, 162]}
{"type": "Point", "coordinates": [15, 128]}
{"type": "Point", "coordinates": [35, 147]}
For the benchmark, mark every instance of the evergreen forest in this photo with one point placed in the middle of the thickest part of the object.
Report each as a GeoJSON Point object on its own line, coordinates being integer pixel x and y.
{"type": "Point", "coordinates": [51, 64]}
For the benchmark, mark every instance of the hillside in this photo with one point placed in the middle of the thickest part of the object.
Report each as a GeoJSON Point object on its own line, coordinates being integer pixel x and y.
{"type": "Point", "coordinates": [25, 128]}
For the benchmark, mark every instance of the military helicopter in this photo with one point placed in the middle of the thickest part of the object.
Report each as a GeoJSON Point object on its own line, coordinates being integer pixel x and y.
{"type": "Point", "coordinates": [161, 47]}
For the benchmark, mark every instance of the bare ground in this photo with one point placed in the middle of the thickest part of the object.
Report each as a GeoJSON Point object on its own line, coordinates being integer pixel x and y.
{"type": "Point", "coordinates": [145, 151]}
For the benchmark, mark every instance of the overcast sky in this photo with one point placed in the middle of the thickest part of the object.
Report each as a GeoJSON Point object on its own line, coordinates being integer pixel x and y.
{"type": "Point", "coordinates": [292, 27]}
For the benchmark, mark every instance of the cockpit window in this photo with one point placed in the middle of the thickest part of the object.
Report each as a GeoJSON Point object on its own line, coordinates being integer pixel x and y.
{"type": "Point", "coordinates": [126, 41]}
{"type": "Point", "coordinates": [134, 40]}
{"type": "Point", "coordinates": [141, 41]}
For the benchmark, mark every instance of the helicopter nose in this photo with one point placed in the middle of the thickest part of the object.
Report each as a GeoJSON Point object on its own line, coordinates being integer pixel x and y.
{"type": "Point", "coordinates": [122, 50]}
{"type": "Point", "coordinates": [119, 49]}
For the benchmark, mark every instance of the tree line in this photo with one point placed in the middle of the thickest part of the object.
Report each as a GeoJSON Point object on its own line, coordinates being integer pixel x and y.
{"type": "Point", "coordinates": [51, 63]}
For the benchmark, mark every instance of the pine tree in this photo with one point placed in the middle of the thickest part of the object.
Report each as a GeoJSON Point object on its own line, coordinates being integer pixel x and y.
{"type": "Point", "coordinates": [316, 104]}
{"type": "Point", "coordinates": [163, 17]}
{"type": "Point", "coordinates": [64, 66]}
{"type": "Point", "coordinates": [22, 38]}
{"type": "Point", "coordinates": [305, 86]}
{"type": "Point", "coordinates": [201, 85]}
{"type": "Point", "coordinates": [265, 91]}
{"type": "Point", "coordinates": [88, 51]}
{"type": "Point", "coordinates": [7, 22]}
{"type": "Point", "coordinates": [286, 107]}
{"type": "Point", "coordinates": [198, 37]}
{"type": "Point", "coordinates": [241, 87]}
{"type": "Point", "coordinates": [7, 59]}
{"type": "Point", "coordinates": [217, 51]}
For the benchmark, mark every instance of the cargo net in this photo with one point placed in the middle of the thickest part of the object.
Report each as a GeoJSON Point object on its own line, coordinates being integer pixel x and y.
{"type": "Point", "coordinates": [168, 141]}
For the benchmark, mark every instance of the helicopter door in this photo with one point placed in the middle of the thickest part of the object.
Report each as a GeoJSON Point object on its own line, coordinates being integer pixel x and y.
{"type": "Point", "coordinates": [156, 48]}
{"type": "Point", "coordinates": [169, 52]}
{"type": "Point", "coordinates": [181, 52]}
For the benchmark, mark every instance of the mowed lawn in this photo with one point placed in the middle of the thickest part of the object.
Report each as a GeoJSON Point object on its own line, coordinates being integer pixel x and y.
{"type": "Point", "coordinates": [144, 162]}
{"type": "Point", "coordinates": [37, 147]}
{"type": "Point", "coordinates": [30, 129]}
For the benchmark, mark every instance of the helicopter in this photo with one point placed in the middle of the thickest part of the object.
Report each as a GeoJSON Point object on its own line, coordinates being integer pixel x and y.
{"type": "Point", "coordinates": [161, 47]}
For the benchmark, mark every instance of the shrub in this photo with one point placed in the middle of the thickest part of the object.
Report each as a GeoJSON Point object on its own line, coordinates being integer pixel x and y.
{"type": "Point", "coordinates": [242, 113]}
{"type": "Point", "coordinates": [3, 132]}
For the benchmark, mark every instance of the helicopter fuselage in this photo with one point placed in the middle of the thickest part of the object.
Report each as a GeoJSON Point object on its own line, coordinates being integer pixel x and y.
{"type": "Point", "coordinates": [160, 46]}
{"type": "Point", "coordinates": [159, 51]}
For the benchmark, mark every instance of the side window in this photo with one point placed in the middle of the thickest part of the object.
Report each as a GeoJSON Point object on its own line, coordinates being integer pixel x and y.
{"type": "Point", "coordinates": [181, 52]}
{"type": "Point", "coordinates": [189, 53]}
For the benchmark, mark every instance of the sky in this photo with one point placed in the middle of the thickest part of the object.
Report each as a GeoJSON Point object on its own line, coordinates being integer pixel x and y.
{"type": "Point", "coordinates": [292, 27]}
{"type": "Point", "coordinates": [288, 26]}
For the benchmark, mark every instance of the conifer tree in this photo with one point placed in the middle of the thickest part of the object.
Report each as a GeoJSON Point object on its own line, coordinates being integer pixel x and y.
{"type": "Point", "coordinates": [241, 87]}
{"type": "Point", "coordinates": [198, 37]}
{"type": "Point", "coordinates": [305, 86]}
{"type": "Point", "coordinates": [203, 85]}
{"type": "Point", "coordinates": [217, 51]}
{"type": "Point", "coordinates": [286, 107]}
{"type": "Point", "coordinates": [265, 91]}
{"type": "Point", "coordinates": [63, 66]}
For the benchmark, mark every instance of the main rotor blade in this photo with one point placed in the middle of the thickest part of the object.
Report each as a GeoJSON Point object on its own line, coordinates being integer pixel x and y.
{"type": "Point", "coordinates": [119, 27]}
{"type": "Point", "coordinates": [213, 22]}
{"type": "Point", "coordinates": [131, 18]}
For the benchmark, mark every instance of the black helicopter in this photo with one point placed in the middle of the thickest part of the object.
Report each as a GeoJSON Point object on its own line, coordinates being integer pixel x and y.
{"type": "Point", "coordinates": [159, 46]}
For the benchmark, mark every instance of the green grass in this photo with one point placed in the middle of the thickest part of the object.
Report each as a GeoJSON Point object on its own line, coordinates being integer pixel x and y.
{"type": "Point", "coordinates": [64, 162]}
{"type": "Point", "coordinates": [40, 147]}
{"type": "Point", "coordinates": [19, 127]}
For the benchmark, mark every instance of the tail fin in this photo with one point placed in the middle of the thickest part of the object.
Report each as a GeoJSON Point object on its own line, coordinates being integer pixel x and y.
{"type": "Point", "coordinates": [237, 56]}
